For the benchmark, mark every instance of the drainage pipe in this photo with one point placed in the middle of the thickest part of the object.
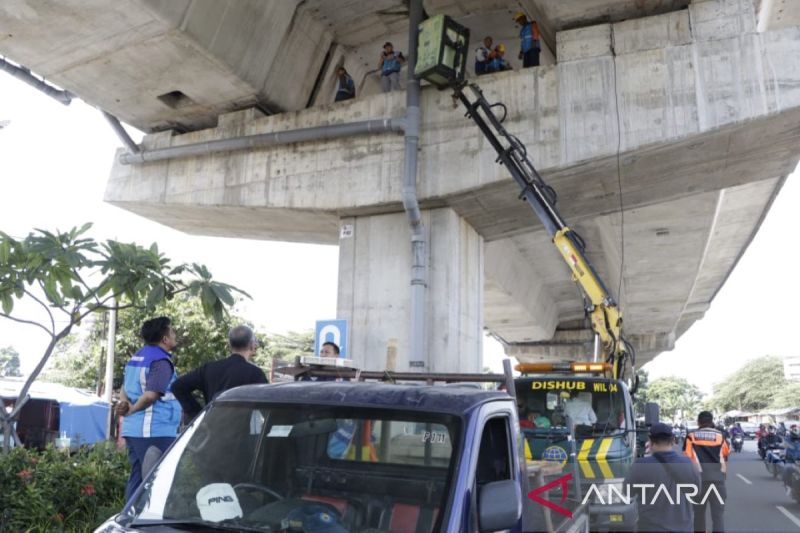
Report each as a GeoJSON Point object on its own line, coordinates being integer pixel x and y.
{"type": "Point", "coordinates": [121, 133]}
{"type": "Point", "coordinates": [261, 140]}
{"type": "Point", "coordinates": [21, 73]}
{"type": "Point", "coordinates": [418, 358]}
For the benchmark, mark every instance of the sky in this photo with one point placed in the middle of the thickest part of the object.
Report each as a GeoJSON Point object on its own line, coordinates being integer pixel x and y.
{"type": "Point", "coordinates": [55, 160]}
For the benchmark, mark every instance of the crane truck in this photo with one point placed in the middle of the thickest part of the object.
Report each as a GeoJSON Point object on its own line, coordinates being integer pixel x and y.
{"type": "Point", "coordinates": [389, 456]}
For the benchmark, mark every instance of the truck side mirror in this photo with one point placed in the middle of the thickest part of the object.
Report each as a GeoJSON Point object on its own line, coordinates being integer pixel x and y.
{"type": "Point", "coordinates": [499, 505]}
{"type": "Point", "coordinates": [651, 413]}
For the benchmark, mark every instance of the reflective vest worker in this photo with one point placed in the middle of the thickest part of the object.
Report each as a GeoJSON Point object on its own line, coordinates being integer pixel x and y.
{"type": "Point", "coordinates": [530, 40]}
{"type": "Point", "coordinates": [483, 55]}
{"type": "Point", "coordinates": [389, 65]}
{"type": "Point", "coordinates": [498, 63]}
{"type": "Point", "coordinates": [708, 450]}
{"type": "Point", "coordinates": [152, 414]}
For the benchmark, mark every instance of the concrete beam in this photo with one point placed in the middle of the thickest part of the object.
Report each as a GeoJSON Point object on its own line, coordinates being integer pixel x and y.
{"type": "Point", "coordinates": [517, 305]}
{"type": "Point", "coordinates": [577, 345]}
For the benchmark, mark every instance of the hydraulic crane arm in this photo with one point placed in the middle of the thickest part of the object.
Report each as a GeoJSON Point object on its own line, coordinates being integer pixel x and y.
{"type": "Point", "coordinates": [600, 306]}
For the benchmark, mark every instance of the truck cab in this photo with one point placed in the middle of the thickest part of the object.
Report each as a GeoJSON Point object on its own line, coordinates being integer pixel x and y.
{"type": "Point", "coordinates": [570, 400]}
{"type": "Point", "coordinates": [343, 456]}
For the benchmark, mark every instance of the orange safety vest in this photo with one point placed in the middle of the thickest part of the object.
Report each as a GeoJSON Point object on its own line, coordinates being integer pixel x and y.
{"type": "Point", "coordinates": [707, 446]}
{"type": "Point", "coordinates": [537, 35]}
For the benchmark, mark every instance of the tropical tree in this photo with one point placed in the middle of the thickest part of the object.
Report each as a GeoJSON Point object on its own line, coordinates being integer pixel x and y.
{"type": "Point", "coordinates": [753, 387]}
{"type": "Point", "coordinates": [675, 396]}
{"type": "Point", "coordinates": [9, 362]}
{"type": "Point", "coordinates": [70, 277]}
{"type": "Point", "coordinates": [200, 340]}
{"type": "Point", "coordinates": [787, 396]}
{"type": "Point", "coordinates": [642, 396]}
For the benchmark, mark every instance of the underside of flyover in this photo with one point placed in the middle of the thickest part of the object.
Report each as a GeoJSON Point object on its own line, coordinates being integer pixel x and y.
{"type": "Point", "coordinates": [667, 128]}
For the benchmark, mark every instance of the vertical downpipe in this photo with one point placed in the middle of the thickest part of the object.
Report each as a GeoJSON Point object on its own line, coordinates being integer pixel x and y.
{"type": "Point", "coordinates": [418, 358]}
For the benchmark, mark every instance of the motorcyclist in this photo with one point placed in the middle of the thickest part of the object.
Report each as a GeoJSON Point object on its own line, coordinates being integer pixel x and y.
{"type": "Point", "coordinates": [792, 445]}
{"type": "Point", "coordinates": [737, 432]}
{"type": "Point", "coordinates": [768, 440]}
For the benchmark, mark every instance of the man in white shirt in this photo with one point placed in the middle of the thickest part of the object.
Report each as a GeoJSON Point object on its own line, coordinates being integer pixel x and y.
{"type": "Point", "coordinates": [579, 409]}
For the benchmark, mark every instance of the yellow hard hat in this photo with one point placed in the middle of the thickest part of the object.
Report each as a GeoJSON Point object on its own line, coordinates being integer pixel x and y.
{"type": "Point", "coordinates": [501, 48]}
{"type": "Point", "coordinates": [519, 15]}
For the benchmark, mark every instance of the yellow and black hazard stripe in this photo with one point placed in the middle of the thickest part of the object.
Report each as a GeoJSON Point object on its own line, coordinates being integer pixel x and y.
{"type": "Point", "coordinates": [593, 459]}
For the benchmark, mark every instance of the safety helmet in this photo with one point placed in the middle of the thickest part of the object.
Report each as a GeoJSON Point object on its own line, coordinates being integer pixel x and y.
{"type": "Point", "coordinates": [519, 15]}
{"type": "Point", "coordinates": [501, 48]}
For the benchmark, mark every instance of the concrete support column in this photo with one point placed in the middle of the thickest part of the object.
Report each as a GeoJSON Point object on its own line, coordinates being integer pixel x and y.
{"type": "Point", "coordinates": [375, 293]}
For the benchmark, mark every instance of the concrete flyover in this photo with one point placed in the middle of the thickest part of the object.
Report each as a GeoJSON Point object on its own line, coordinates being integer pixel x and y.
{"type": "Point", "coordinates": [678, 118]}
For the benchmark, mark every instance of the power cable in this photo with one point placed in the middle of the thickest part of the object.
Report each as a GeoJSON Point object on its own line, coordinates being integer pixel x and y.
{"type": "Point", "coordinates": [619, 181]}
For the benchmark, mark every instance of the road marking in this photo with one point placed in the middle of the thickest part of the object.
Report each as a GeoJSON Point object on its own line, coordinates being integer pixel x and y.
{"type": "Point", "coordinates": [744, 479]}
{"type": "Point", "coordinates": [789, 515]}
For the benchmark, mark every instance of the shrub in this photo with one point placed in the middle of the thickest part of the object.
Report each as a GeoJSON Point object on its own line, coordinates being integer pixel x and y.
{"type": "Point", "coordinates": [52, 491]}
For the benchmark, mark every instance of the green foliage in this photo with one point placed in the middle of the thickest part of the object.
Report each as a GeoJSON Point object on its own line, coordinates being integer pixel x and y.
{"type": "Point", "coordinates": [9, 362]}
{"type": "Point", "coordinates": [284, 347]}
{"type": "Point", "coordinates": [71, 276]}
{"type": "Point", "coordinates": [55, 491]}
{"type": "Point", "coordinates": [200, 340]}
{"type": "Point", "coordinates": [675, 397]}
{"type": "Point", "coordinates": [753, 387]}
{"type": "Point", "coordinates": [642, 396]}
{"type": "Point", "coordinates": [787, 396]}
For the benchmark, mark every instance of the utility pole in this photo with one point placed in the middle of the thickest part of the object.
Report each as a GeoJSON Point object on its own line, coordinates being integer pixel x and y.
{"type": "Point", "coordinates": [112, 332]}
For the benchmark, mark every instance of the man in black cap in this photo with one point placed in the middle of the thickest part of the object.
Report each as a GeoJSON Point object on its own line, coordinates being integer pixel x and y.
{"type": "Point", "coordinates": [657, 511]}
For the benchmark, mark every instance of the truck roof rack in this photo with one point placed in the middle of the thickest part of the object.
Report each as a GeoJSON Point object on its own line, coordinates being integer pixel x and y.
{"type": "Point", "coordinates": [307, 367]}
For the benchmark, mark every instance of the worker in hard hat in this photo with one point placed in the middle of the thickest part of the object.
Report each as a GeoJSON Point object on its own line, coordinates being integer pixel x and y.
{"type": "Point", "coordinates": [498, 62]}
{"type": "Point", "coordinates": [530, 40]}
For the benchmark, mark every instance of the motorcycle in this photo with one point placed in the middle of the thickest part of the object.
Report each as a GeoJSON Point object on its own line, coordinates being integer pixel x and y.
{"type": "Point", "coordinates": [738, 442]}
{"type": "Point", "coordinates": [774, 460]}
{"type": "Point", "coordinates": [794, 480]}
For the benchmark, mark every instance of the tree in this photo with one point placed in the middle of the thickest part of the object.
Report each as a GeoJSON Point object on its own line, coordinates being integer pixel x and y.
{"type": "Point", "coordinates": [71, 276]}
{"type": "Point", "coordinates": [787, 396]}
{"type": "Point", "coordinates": [9, 362]}
{"type": "Point", "coordinates": [200, 340]}
{"type": "Point", "coordinates": [675, 396]}
{"type": "Point", "coordinates": [642, 396]}
{"type": "Point", "coordinates": [753, 387]}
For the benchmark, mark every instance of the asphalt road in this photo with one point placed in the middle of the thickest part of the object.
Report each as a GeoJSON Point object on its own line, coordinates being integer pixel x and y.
{"type": "Point", "coordinates": [756, 501]}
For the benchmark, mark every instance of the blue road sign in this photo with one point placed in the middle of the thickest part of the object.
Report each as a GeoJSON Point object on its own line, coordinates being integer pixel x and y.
{"type": "Point", "coordinates": [331, 331]}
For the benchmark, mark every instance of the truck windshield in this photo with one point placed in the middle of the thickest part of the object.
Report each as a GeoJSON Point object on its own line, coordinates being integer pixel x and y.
{"type": "Point", "coordinates": [546, 405]}
{"type": "Point", "coordinates": [256, 467]}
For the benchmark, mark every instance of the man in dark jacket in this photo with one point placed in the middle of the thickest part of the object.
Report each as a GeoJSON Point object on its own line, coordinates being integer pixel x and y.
{"type": "Point", "coordinates": [667, 468]}
{"type": "Point", "coordinates": [218, 376]}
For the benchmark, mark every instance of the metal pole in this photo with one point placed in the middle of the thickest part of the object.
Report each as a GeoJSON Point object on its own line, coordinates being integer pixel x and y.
{"type": "Point", "coordinates": [121, 133]}
{"type": "Point", "coordinates": [21, 73]}
{"type": "Point", "coordinates": [262, 140]}
{"type": "Point", "coordinates": [596, 347]}
{"type": "Point", "coordinates": [418, 358]}
{"type": "Point", "coordinates": [112, 332]}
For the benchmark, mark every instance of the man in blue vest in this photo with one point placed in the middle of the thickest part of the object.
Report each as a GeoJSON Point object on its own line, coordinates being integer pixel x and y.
{"type": "Point", "coordinates": [152, 414]}
{"type": "Point", "coordinates": [530, 40]}
{"type": "Point", "coordinates": [390, 64]}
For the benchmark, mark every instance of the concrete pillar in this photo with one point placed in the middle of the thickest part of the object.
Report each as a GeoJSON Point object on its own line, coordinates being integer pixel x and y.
{"type": "Point", "coordinates": [375, 292]}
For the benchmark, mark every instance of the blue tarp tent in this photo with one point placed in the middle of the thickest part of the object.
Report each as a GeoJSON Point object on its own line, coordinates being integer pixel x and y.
{"type": "Point", "coordinates": [83, 416]}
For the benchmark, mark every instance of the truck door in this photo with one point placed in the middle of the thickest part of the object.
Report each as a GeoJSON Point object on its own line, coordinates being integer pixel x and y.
{"type": "Point", "coordinates": [496, 464]}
